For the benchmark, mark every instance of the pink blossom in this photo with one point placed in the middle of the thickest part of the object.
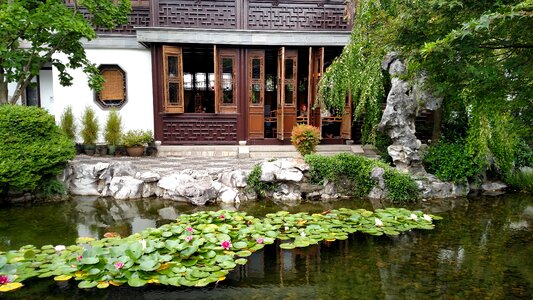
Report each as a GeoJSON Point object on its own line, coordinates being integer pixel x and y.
{"type": "Point", "coordinates": [260, 240]}
{"type": "Point", "coordinates": [119, 265]}
{"type": "Point", "coordinates": [188, 238]}
{"type": "Point", "coordinates": [226, 245]}
{"type": "Point", "coordinates": [4, 279]}
{"type": "Point", "coordinates": [79, 257]}
{"type": "Point", "coordinates": [222, 216]}
{"type": "Point", "coordinates": [189, 229]}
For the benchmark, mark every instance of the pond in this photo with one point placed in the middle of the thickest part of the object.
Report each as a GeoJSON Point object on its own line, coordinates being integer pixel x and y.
{"type": "Point", "coordinates": [483, 248]}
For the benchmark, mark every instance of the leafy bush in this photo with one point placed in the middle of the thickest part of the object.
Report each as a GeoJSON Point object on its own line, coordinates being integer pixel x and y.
{"type": "Point", "coordinates": [451, 161]}
{"type": "Point", "coordinates": [521, 181]}
{"type": "Point", "coordinates": [89, 131]}
{"type": "Point", "coordinates": [254, 183]}
{"type": "Point", "coordinates": [305, 138]}
{"type": "Point", "coordinates": [523, 155]}
{"type": "Point", "coordinates": [113, 128]}
{"type": "Point", "coordinates": [401, 187]}
{"type": "Point", "coordinates": [134, 138]}
{"type": "Point", "coordinates": [67, 123]}
{"type": "Point", "coordinates": [382, 142]}
{"type": "Point", "coordinates": [33, 147]}
{"type": "Point", "coordinates": [357, 169]}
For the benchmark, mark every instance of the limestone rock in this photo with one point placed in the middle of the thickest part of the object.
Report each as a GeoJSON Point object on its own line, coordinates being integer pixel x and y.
{"type": "Point", "coordinates": [149, 176]}
{"type": "Point", "coordinates": [493, 188]}
{"type": "Point", "coordinates": [125, 187]}
{"type": "Point", "coordinates": [192, 186]}
{"type": "Point", "coordinates": [234, 179]}
{"type": "Point", "coordinates": [281, 170]}
{"type": "Point", "coordinates": [83, 181]}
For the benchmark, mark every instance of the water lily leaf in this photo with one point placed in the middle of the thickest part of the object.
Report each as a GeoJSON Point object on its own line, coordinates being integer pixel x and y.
{"type": "Point", "coordinates": [136, 282]}
{"type": "Point", "coordinates": [3, 261]}
{"type": "Point", "coordinates": [62, 277]}
{"type": "Point", "coordinates": [134, 251]}
{"type": "Point", "coordinates": [287, 246]}
{"type": "Point", "coordinates": [46, 274]}
{"type": "Point", "coordinates": [199, 274]}
{"type": "Point", "coordinates": [390, 232]}
{"type": "Point", "coordinates": [189, 251]}
{"type": "Point", "coordinates": [241, 261]}
{"type": "Point", "coordinates": [89, 260]}
{"type": "Point", "coordinates": [257, 247]}
{"type": "Point", "coordinates": [228, 264]}
{"type": "Point", "coordinates": [29, 254]}
{"type": "Point", "coordinates": [103, 285]}
{"type": "Point", "coordinates": [186, 282]}
{"type": "Point", "coordinates": [84, 240]}
{"type": "Point", "coordinates": [166, 234]}
{"type": "Point", "coordinates": [8, 287]}
{"type": "Point", "coordinates": [189, 262]}
{"type": "Point", "coordinates": [240, 245]}
{"type": "Point", "coordinates": [175, 281]}
{"type": "Point", "coordinates": [149, 265]}
{"type": "Point", "coordinates": [116, 282]}
{"type": "Point", "coordinates": [202, 282]}
{"type": "Point", "coordinates": [86, 284]}
{"type": "Point", "coordinates": [244, 253]}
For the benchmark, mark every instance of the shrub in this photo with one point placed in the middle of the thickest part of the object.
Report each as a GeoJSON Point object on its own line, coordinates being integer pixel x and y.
{"type": "Point", "coordinates": [113, 128]}
{"type": "Point", "coordinates": [254, 183]}
{"type": "Point", "coordinates": [521, 181]}
{"type": "Point", "coordinates": [451, 161]}
{"type": "Point", "coordinates": [134, 138]}
{"type": "Point", "coordinates": [67, 123]}
{"type": "Point", "coordinates": [382, 142]}
{"type": "Point", "coordinates": [401, 187]}
{"type": "Point", "coordinates": [523, 155]}
{"type": "Point", "coordinates": [89, 131]}
{"type": "Point", "coordinates": [305, 138]}
{"type": "Point", "coordinates": [33, 147]}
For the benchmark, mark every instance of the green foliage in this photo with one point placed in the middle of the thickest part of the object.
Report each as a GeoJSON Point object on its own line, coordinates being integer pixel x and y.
{"type": "Point", "coordinates": [305, 138]}
{"type": "Point", "coordinates": [523, 155]}
{"type": "Point", "coordinates": [357, 170]}
{"type": "Point", "coordinates": [113, 128]}
{"type": "Point", "coordinates": [382, 142]}
{"type": "Point", "coordinates": [54, 28]}
{"type": "Point", "coordinates": [33, 147]}
{"type": "Point", "coordinates": [254, 183]}
{"type": "Point", "coordinates": [401, 187]}
{"type": "Point", "coordinates": [67, 123]}
{"type": "Point", "coordinates": [451, 161]}
{"type": "Point", "coordinates": [521, 181]}
{"type": "Point", "coordinates": [134, 138]}
{"type": "Point", "coordinates": [196, 250]}
{"type": "Point", "coordinates": [90, 127]}
{"type": "Point", "coordinates": [51, 187]}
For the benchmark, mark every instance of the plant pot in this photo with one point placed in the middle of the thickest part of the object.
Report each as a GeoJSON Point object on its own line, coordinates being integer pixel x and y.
{"type": "Point", "coordinates": [89, 149]}
{"type": "Point", "coordinates": [111, 149]}
{"type": "Point", "coordinates": [135, 151]}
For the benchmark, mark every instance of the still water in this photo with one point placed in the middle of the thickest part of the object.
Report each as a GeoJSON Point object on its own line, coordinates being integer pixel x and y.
{"type": "Point", "coordinates": [483, 249]}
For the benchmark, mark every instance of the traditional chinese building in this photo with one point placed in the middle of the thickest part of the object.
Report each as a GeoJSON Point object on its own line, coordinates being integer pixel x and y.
{"type": "Point", "coordinates": [213, 72]}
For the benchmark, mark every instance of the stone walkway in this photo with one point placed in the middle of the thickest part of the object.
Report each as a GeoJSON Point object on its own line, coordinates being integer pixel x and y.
{"type": "Point", "coordinates": [166, 165]}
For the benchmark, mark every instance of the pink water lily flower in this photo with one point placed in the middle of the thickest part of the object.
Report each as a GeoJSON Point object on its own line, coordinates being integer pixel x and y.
{"type": "Point", "coordinates": [188, 238]}
{"type": "Point", "coordinates": [260, 240]}
{"type": "Point", "coordinates": [226, 245]}
{"type": "Point", "coordinates": [221, 217]}
{"type": "Point", "coordinates": [79, 257]}
{"type": "Point", "coordinates": [189, 229]}
{"type": "Point", "coordinates": [119, 265]}
{"type": "Point", "coordinates": [4, 279]}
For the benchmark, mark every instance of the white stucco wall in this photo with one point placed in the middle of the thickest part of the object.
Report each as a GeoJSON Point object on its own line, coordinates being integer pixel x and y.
{"type": "Point", "coordinates": [46, 89]}
{"type": "Point", "coordinates": [137, 112]}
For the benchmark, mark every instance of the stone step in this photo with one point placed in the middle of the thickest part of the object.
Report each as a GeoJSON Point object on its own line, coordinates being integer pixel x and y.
{"type": "Point", "coordinates": [253, 151]}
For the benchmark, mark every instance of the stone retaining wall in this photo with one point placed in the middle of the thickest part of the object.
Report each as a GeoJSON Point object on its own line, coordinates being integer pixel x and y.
{"type": "Point", "coordinates": [122, 180]}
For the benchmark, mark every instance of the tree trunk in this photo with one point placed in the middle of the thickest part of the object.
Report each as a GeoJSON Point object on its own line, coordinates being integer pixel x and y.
{"type": "Point", "coordinates": [3, 87]}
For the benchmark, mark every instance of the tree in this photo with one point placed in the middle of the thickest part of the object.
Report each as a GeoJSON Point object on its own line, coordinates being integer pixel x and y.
{"type": "Point", "coordinates": [32, 31]}
{"type": "Point", "coordinates": [476, 55]}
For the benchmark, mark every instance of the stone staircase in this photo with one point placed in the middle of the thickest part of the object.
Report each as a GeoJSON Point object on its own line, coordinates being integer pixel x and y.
{"type": "Point", "coordinates": [251, 151]}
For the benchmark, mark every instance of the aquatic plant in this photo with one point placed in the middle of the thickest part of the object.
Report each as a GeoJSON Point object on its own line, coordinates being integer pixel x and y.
{"type": "Point", "coordinates": [197, 249]}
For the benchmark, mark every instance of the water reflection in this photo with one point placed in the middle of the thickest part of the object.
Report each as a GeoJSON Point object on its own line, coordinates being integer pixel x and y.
{"type": "Point", "coordinates": [482, 249]}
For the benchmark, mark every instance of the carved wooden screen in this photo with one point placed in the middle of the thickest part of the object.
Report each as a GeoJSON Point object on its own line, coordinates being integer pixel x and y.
{"type": "Point", "coordinates": [281, 92]}
{"type": "Point", "coordinates": [173, 79]}
{"type": "Point", "coordinates": [316, 70]}
{"type": "Point", "coordinates": [226, 69]}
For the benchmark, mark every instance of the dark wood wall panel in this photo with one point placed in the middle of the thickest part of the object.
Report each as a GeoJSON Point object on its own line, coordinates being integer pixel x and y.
{"type": "Point", "coordinates": [192, 13]}
{"type": "Point", "coordinates": [291, 16]}
{"type": "Point", "coordinates": [191, 129]}
{"type": "Point", "coordinates": [139, 17]}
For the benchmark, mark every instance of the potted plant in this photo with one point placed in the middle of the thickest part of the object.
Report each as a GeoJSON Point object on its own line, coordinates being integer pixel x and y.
{"type": "Point", "coordinates": [113, 131]}
{"type": "Point", "coordinates": [136, 140]}
{"type": "Point", "coordinates": [305, 138]}
{"type": "Point", "coordinates": [89, 131]}
{"type": "Point", "coordinates": [67, 123]}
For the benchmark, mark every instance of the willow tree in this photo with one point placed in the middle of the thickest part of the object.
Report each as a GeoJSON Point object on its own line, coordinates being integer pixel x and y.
{"type": "Point", "coordinates": [477, 55]}
{"type": "Point", "coordinates": [32, 31]}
